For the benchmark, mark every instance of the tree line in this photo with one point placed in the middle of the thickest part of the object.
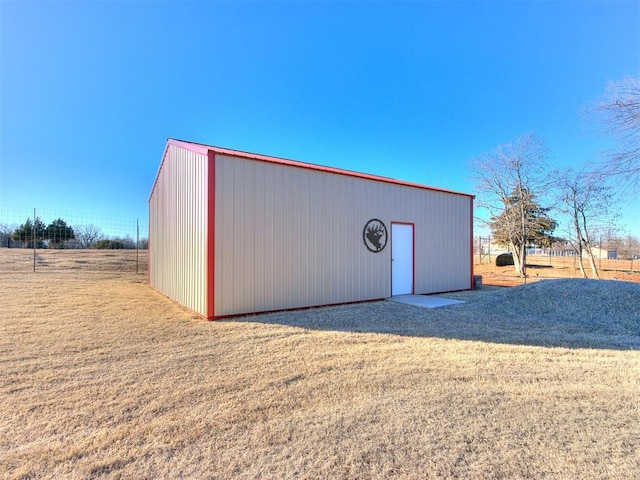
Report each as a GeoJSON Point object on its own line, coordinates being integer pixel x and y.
{"type": "Point", "coordinates": [522, 193]}
{"type": "Point", "coordinates": [59, 234]}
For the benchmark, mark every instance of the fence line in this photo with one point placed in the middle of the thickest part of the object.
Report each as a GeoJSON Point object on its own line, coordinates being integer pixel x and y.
{"type": "Point", "coordinates": [42, 229]}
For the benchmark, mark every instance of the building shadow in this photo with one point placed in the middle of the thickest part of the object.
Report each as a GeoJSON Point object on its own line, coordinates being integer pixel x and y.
{"type": "Point", "coordinates": [530, 316]}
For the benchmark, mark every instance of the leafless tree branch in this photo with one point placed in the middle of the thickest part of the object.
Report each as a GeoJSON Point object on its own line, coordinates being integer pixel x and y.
{"type": "Point", "coordinates": [507, 180]}
{"type": "Point", "coordinates": [618, 113]}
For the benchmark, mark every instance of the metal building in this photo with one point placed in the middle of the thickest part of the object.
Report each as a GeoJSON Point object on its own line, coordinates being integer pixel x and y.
{"type": "Point", "coordinates": [234, 233]}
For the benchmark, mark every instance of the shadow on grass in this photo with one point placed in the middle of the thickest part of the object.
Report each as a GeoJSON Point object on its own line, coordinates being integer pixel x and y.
{"type": "Point", "coordinates": [556, 313]}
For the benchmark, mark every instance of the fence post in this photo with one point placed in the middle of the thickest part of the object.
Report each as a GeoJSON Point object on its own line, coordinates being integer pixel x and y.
{"type": "Point", "coordinates": [600, 255]}
{"type": "Point", "coordinates": [137, 243]}
{"type": "Point", "coordinates": [34, 239]}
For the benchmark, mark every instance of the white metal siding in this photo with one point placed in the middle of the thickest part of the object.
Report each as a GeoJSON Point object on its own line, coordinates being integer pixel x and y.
{"type": "Point", "coordinates": [178, 228]}
{"type": "Point", "coordinates": [290, 237]}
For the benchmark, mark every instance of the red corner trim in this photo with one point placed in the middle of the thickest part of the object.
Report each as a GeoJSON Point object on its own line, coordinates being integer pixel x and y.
{"type": "Point", "coordinates": [211, 231]}
{"type": "Point", "coordinates": [471, 240]}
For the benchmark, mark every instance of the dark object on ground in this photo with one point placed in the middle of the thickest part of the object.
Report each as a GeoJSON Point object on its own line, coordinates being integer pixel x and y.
{"type": "Point", "coordinates": [504, 259]}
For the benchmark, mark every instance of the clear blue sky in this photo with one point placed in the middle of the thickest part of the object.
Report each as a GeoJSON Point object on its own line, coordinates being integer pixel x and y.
{"type": "Point", "coordinates": [90, 90]}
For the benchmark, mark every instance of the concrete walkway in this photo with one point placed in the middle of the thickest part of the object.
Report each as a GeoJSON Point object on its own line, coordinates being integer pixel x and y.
{"type": "Point", "coordinates": [426, 301]}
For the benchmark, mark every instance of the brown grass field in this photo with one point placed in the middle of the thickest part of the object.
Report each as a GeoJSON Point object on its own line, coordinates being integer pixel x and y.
{"type": "Point", "coordinates": [103, 377]}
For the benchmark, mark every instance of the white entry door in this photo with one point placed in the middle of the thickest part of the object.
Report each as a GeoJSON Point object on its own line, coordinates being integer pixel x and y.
{"type": "Point", "coordinates": [401, 259]}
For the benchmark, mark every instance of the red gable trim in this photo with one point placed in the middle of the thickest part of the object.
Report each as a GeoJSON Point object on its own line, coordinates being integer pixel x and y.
{"type": "Point", "coordinates": [194, 147]}
{"type": "Point", "coordinates": [203, 149]}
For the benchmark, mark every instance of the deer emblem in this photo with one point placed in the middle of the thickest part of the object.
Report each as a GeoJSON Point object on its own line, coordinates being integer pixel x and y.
{"type": "Point", "coordinates": [375, 235]}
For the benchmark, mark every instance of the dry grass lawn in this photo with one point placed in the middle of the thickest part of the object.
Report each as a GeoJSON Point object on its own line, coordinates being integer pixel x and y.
{"type": "Point", "coordinates": [102, 377]}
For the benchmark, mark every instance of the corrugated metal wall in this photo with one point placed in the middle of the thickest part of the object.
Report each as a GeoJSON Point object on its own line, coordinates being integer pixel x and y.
{"type": "Point", "coordinates": [178, 228]}
{"type": "Point", "coordinates": [290, 237]}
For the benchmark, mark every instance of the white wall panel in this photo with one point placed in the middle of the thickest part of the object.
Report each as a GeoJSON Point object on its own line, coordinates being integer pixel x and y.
{"type": "Point", "coordinates": [290, 237]}
{"type": "Point", "coordinates": [178, 228]}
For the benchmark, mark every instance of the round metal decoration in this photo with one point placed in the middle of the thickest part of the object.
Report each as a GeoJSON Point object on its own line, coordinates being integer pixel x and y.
{"type": "Point", "coordinates": [375, 235]}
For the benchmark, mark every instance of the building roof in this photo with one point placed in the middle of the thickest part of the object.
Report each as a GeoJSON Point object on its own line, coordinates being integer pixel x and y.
{"type": "Point", "coordinates": [205, 149]}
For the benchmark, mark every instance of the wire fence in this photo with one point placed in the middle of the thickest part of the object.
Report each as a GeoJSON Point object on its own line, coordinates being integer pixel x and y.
{"type": "Point", "coordinates": [619, 261]}
{"type": "Point", "coordinates": [54, 239]}
{"type": "Point", "coordinates": [486, 250]}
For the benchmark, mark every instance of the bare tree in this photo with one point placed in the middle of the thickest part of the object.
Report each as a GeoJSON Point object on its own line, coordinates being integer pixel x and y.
{"type": "Point", "coordinates": [87, 235]}
{"type": "Point", "coordinates": [618, 111]}
{"type": "Point", "coordinates": [632, 247]}
{"type": "Point", "coordinates": [507, 180]}
{"type": "Point", "coordinates": [626, 247]}
{"type": "Point", "coordinates": [587, 201]}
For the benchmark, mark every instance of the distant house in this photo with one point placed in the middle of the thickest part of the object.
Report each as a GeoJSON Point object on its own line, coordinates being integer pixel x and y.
{"type": "Point", "coordinates": [7, 242]}
{"type": "Point", "coordinates": [606, 254]}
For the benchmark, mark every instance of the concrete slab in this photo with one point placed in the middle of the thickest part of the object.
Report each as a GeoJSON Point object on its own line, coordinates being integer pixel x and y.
{"type": "Point", "coordinates": [426, 301]}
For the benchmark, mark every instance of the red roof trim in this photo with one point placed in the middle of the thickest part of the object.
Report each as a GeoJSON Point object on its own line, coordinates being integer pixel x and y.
{"type": "Point", "coordinates": [203, 149]}
{"type": "Point", "coordinates": [155, 182]}
{"type": "Point", "coordinates": [194, 147]}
